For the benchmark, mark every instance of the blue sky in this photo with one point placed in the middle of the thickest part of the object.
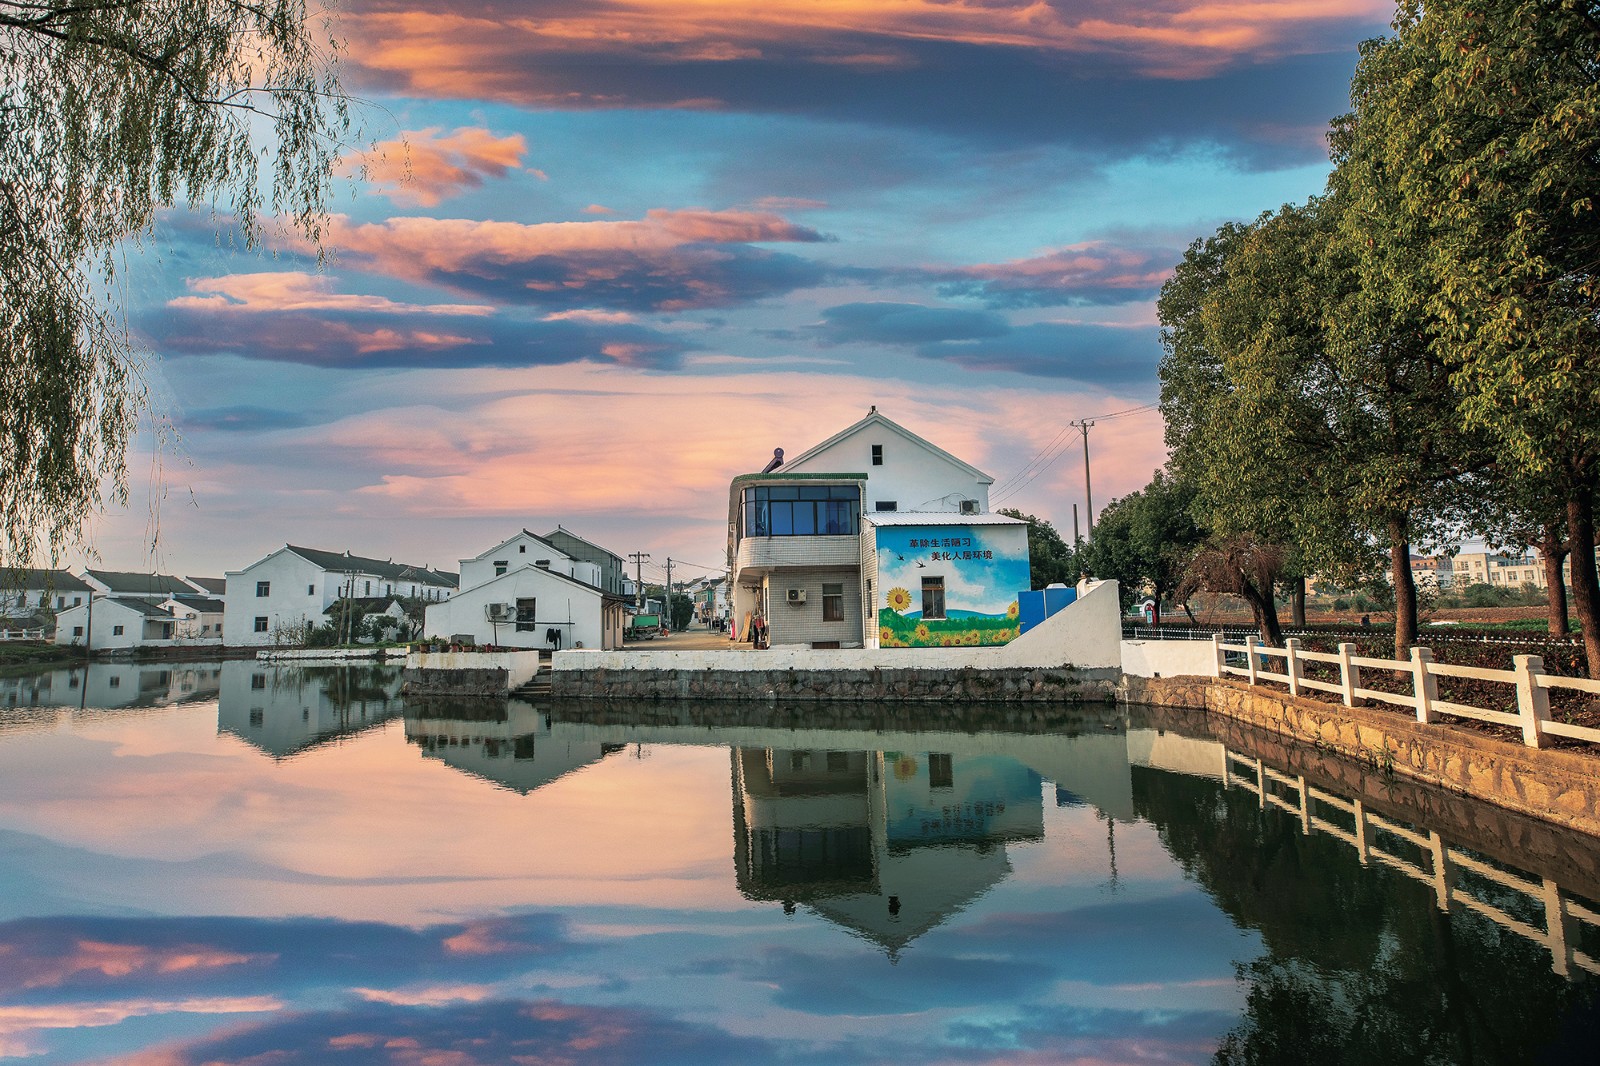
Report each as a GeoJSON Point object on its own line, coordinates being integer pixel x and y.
{"type": "Point", "coordinates": [608, 255]}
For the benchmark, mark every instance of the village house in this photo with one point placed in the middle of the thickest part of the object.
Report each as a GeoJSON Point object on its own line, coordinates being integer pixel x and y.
{"type": "Point", "coordinates": [25, 592]}
{"type": "Point", "coordinates": [525, 592]}
{"type": "Point", "coordinates": [278, 599]}
{"type": "Point", "coordinates": [127, 609]}
{"type": "Point", "coordinates": [874, 538]}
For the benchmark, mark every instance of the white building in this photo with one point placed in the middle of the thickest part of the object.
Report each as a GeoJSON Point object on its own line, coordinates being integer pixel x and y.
{"type": "Point", "coordinates": [526, 593]}
{"type": "Point", "coordinates": [195, 617]}
{"type": "Point", "coordinates": [275, 600]}
{"type": "Point", "coordinates": [111, 623]}
{"type": "Point", "coordinates": [875, 537]}
{"type": "Point", "coordinates": [23, 591]}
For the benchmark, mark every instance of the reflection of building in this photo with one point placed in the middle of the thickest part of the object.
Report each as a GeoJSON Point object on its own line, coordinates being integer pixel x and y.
{"type": "Point", "coordinates": [284, 710]}
{"type": "Point", "coordinates": [506, 742]}
{"type": "Point", "coordinates": [888, 844]}
{"type": "Point", "coordinates": [109, 686]}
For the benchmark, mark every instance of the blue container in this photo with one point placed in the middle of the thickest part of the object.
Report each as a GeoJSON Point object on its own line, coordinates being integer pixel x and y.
{"type": "Point", "coordinates": [1030, 610]}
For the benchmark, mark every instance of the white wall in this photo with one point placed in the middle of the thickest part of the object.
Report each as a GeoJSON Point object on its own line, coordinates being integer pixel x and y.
{"type": "Point", "coordinates": [298, 594]}
{"type": "Point", "coordinates": [1168, 658]}
{"type": "Point", "coordinates": [558, 602]}
{"type": "Point", "coordinates": [138, 630]}
{"type": "Point", "coordinates": [520, 666]}
{"type": "Point", "coordinates": [1087, 634]}
{"type": "Point", "coordinates": [913, 477]}
{"type": "Point", "coordinates": [519, 551]}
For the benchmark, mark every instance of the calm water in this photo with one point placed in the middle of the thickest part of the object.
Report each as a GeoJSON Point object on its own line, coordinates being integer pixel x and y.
{"type": "Point", "coordinates": [228, 863]}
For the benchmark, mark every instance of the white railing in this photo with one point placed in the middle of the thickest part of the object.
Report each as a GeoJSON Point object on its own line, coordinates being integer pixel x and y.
{"type": "Point", "coordinates": [22, 634]}
{"type": "Point", "coordinates": [1441, 870]}
{"type": "Point", "coordinates": [1527, 679]}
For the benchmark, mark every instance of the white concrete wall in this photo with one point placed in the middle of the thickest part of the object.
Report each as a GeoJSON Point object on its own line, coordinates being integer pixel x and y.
{"type": "Point", "coordinates": [520, 666]}
{"type": "Point", "coordinates": [558, 603]}
{"type": "Point", "coordinates": [298, 594]}
{"type": "Point", "coordinates": [915, 478]}
{"type": "Point", "coordinates": [1087, 634]}
{"type": "Point", "coordinates": [1168, 658]}
{"type": "Point", "coordinates": [518, 551]}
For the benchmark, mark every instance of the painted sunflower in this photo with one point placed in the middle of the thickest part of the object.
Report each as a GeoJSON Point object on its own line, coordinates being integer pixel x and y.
{"type": "Point", "coordinates": [886, 635]}
{"type": "Point", "coordinates": [922, 631]}
{"type": "Point", "coordinates": [1011, 612]}
{"type": "Point", "coordinates": [899, 599]}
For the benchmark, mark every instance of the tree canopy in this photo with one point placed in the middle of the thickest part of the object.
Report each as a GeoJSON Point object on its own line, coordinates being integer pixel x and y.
{"type": "Point", "coordinates": [110, 111]}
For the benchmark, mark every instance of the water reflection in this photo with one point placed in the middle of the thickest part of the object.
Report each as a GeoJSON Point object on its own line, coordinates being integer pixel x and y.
{"type": "Point", "coordinates": [108, 686]}
{"type": "Point", "coordinates": [732, 883]}
{"type": "Point", "coordinates": [286, 710]}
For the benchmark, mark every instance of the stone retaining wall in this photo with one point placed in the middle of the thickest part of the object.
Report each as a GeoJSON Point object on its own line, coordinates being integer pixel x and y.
{"type": "Point", "coordinates": [1557, 786]}
{"type": "Point", "coordinates": [457, 681]}
{"type": "Point", "coordinates": [1061, 684]}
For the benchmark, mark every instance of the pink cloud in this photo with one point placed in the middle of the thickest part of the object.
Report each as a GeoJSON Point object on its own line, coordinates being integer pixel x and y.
{"type": "Point", "coordinates": [423, 167]}
{"type": "Point", "coordinates": [1092, 271]}
{"type": "Point", "coordinates": [298, 291]}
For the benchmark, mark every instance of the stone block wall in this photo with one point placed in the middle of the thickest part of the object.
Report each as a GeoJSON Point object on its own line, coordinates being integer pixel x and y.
{"type": "Point", "coordinates": [1060, 684]}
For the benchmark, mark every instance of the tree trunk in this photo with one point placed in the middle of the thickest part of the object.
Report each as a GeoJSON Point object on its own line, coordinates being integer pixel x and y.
{"type": "Point", "coordinates": [1585, 593]}
{"type": "Point", "coordinates": [1552, 552]}
{"type": "Point", "coordinates": [1297, 601]}
{"type": "Point", "coordinates": [1155, 613]}
{"type": "Point", "coordinates": [1266, 612]}
{"type": "Point", "coordinates": [1192, 620]}
{"type": "Point", "coordinates": [1405, 589]}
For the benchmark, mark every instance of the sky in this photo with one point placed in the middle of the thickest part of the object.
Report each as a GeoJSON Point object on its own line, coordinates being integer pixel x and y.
{"type": "Point", "coordinates": [605, 256]}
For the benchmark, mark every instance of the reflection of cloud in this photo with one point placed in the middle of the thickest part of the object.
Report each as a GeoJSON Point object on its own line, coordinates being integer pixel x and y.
{"type": "Point", "coordinates": [93, 961]}
{"type": "Point", "coordinates": [426, 166]}
{"type": "Point", "coordinates": [471, 1034]}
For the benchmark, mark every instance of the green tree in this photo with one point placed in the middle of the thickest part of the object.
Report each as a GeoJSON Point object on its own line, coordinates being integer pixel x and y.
{"type": "Point", "coordinates": [1050, 558]}
{"type": "Point", "coordinates": [110, 111]}
{"type": "Point", "coordinates": [1146, 538]}
{"type": "Point", "coordinates": [1486, 117]}
{"type": "Point", "coordinates": [682, 611]}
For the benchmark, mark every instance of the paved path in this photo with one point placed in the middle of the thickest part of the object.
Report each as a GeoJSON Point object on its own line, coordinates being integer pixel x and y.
{"type": "Point", "coordinates": [695, 638]}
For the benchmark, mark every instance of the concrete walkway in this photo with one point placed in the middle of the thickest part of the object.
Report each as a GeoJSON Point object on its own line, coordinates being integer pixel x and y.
{"type": "Point", "coordinates": [696, 638]}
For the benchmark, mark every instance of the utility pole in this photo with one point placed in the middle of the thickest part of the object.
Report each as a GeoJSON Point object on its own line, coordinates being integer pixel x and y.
{"type": "Point", "coordinates": [666, 609]}
{"type": "Point", "coordinates": [1076, 536]}
{"type": "Point", "coordinates": [1085, 424]}
{"type": "Point", "coordinates": [638, 579]}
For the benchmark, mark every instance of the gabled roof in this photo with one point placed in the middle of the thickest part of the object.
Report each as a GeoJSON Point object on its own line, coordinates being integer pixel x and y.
{"type": "Point", "coordinates": [217, 586]}
{"type": "Point", "coordinates": [564, 531]}
{"type": "Point", "coordinates": [388, 569]}
{"type": "Point", "coordinates": [521, 533]}
{"type": "Point", "coordinates": [547, 572]}
{"type": "Point", "coordinates": [147, 608]}
{"type": "Point", "coordinates": [16, 579]}
{"type": "Point", "coordinates": [203, 604]}
{"type": "Point", "coordinates": [875, 419]}
{"type": "Point", "coordinates": [127, 583]}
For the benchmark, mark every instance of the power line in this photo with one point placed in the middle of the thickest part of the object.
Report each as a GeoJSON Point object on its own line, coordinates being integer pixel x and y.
{"type": "Point", "coordinates": [1011, 485]}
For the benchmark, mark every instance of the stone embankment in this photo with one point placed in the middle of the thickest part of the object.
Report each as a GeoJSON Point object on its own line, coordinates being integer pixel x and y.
{"type": "Point", "coordinates": [1558, 786]}
{"type": "Point", "coordinates": [1063, 684]}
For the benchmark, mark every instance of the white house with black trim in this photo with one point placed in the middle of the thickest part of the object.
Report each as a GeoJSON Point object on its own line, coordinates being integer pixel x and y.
{"type": "Point", "coordinates": [274, 600]}
{"type": "Point", "coordinates": [25, 592]}
{"type": "Point", "coordinates": [874, 538]}
{"type": "Point", "coordinates": [527, 593]}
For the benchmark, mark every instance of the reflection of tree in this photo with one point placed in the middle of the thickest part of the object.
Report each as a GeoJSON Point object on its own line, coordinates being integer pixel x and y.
{"type": "Point", "coordinates": [1361, 966]}
{"type": "Point", "coordinates": [348, 686]}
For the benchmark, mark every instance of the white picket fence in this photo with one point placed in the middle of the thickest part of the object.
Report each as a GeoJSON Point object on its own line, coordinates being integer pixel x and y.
{"type": "Point", "coordinates": [22, 634]}
{"type": "Point", "coordinates": [1527, 679]}
{"type": "Point", "coordinates": [1440, 867]}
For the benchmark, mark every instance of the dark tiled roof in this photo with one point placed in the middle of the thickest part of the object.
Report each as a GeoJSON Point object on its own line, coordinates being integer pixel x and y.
{"type": "Point", "coordinates": [203, 604]}
{"type": "Point", "coordinates": [127, 583]}
{"type": "Point", "coordinates": [387, 569]}
{"type": "Point", "coordinates": [217, 586]}
{"type": "Point", "coordinates": [15, 579]}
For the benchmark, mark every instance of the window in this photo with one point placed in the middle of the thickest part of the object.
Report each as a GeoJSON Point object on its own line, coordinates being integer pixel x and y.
{"type": "Point", "coordinates": [369, 588]}
{"type": "Point", "coordinates": [116, 631]}
{"type": "Point", "coordinates": [61, 602]}
{"type": "Point", "coordinates": [932, 598]}
{"type": "Point", "coordinates": [877, 455]}
{"type": "Point", "coordinates": [886, 505]}
{"type": "Point", "coordinates": [263, 588]}
{"type": "Point", "coordinates": [941, 771]}
{"type": "Point", "coordinates": [499, 567]}
{"type": "Point", "coordinates": [261, 623]}
{"type": "Point", "coordinates": [258, 681]}
{"type": "Point", "coordinates": [522, 549]}
{"type": "Point", "coordinates": [257, 716]}
{"type": "Point", "coordinates": [525, 615]}
{"type": "Point", "coordinates": [114, 682]}
{"type": "Point", "coordinates": [76, 600]}
{"type": "Point", "coordinates": [77, 631]}
{"type": "Point", "coordinates": [801, 510]}
{"type": "Point", "coordinates": [832, 603]}
{"type": "Point", "coordinates": [311, 590]}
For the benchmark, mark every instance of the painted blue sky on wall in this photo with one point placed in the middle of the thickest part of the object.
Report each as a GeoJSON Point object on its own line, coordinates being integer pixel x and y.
{"type": "Point", "coordinates": [983, 567]}
{"type": "Point", "coordinates": [611, 254]}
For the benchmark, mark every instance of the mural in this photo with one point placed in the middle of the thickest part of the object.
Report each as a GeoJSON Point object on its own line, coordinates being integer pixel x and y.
{"type": "Point", "coordinates": [950, 585]}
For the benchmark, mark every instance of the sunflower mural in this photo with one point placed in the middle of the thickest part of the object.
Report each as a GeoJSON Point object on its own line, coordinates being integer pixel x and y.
{"type": "Point", "coordinates": [950, 585]}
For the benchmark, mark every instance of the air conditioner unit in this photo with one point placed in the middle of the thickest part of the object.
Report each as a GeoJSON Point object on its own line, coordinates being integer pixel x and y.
{"type": "Point", "coordinates": [797, 595]}
{"type": "Point", "coordinates": [969, 506]}
{"type": "Point", "coordinates": [500, 612]}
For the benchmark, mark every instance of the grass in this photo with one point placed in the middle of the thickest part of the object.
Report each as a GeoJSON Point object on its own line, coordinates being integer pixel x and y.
{"type": "Point", "coordinates": [17, 657]}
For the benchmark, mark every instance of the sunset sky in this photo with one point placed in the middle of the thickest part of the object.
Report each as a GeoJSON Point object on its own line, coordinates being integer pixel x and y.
{"type": "Point", "coordinates": [611, 254]}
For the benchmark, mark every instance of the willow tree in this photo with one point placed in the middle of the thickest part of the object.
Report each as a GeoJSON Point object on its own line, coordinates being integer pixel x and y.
{"type": "Point", "coordinates": [111, 110]}
{"type": "Point", "coordinates": [1486, 116]}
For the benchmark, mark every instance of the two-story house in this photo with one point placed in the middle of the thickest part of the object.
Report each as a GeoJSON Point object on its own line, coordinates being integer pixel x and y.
{"type": "Point", "coordinates": [874, 538]}
{"type": "Point", "coordinates": [275, 600]}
